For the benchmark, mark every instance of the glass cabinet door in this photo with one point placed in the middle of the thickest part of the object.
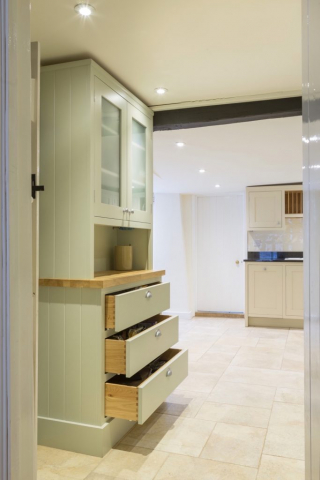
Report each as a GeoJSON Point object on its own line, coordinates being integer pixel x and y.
{"type": "Point", "coordinates": [110, 161]}
{"type": "Point", "coordinates": [140, 166]}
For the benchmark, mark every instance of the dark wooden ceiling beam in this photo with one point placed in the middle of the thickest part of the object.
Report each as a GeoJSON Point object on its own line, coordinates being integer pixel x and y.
{"type": "Point", "coordinates": [228, 113]}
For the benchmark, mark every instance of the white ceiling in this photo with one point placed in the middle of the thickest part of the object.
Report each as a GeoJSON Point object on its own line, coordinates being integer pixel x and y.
{"type": "Point", "coordinates": [199, 50]}
{"type": "Point", "coordinates": [234, 156]}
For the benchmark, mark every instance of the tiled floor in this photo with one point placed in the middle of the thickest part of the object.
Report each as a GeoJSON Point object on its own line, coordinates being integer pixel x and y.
{"type": "Point", "coordinates": [238, 415]}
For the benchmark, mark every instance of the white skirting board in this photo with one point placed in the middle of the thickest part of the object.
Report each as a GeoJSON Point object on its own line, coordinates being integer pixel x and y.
{"type": "Point", "coordinates": [182, 315]}
{"type": "Point", "coordinates": [80, 438]}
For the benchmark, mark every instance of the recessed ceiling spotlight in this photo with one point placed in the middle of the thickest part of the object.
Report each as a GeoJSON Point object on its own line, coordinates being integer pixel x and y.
{"type": "Point", "coordinates": [84, 9]}
{"type": "Point", "coordinates": [161, 90]}
{"type": "Point", "coordinates": [180, 144]}
{"type": "Point", "coordinates": [217, 186]}
{"type": "Point", "coordinates": [201, 170]}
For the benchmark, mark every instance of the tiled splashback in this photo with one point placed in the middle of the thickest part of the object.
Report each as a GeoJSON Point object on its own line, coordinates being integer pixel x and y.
{"type": "Point", "coordinates": [288, 240]}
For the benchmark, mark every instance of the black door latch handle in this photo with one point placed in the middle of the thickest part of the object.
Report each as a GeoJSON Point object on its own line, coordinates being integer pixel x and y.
{"type": "Point", "coordinates": [35, 188]}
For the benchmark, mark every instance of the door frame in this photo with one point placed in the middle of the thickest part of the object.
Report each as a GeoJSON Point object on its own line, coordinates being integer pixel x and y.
{"type": "Point", "coordinates": [17, 402]}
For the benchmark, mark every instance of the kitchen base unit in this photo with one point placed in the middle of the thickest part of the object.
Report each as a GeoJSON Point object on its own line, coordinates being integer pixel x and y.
{"type": "Point", "coordinates": [93, 375]}
{"type": "Point", "coordinates": [274, 294]}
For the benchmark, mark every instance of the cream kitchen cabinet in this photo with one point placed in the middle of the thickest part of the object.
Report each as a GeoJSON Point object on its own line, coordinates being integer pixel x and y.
{"type": "Point", "coordinates": [269, 205]}
{"type": "Point", "coordinates": [265, 209]}
{"type": "Point", "coordinates": [274, 294]}
{"type": "Point", "coordinates": [265, 283]}
{"type": "Point", "coordinates": [294, 291]}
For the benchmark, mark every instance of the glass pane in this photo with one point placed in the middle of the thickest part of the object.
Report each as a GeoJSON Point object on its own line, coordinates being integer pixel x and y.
{"type": "Point", "coordinates": [110, 153]}
{"type": "Point", "coordinates": [139, 166]}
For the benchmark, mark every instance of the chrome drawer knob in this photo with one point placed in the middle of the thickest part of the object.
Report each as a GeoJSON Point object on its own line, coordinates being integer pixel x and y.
{"type": "Point", "coordinates": [131, 211]}
{"type": "Point", "coordinates": [125, 210]}
{"type": "Point", "coordinates": [148, 294]}
{"type": "Point", "coordinates": [158, 333]}
{"type": "Point", "coordinates": [169, 372]}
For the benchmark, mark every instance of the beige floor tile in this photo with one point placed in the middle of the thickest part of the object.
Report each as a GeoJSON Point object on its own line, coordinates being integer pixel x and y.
{"type": "Point", "coordinates": [290, 395]}
{"type": "Point", "coordinates": [183, 403]}
{"type": "Point", "coordinates": [263, 376]}
{"type": "Point", "coordinates": [131, 463]}
{"type": "Point", "coordinates": [259, 359]}
{"type": "Point", "coordinates": [239, 341]}
{"type": "Point", "coordinates": [185, 436]}
{"type": "Point", "coordinates": [204, 365]}
{"type": "Point", "coordinates": [272, 342]}
{"type": "Point", "coordinates": [99, 476]}
{"type": "Point", "coordinates": [261, 348]}
{"type": "Point", "coordinates": [199, 382]}
{"type": "Point", "coordinates": [53, 456]}
{"type": "Point", "coordinates": [285, 442]}
{"type": "Point", "coordinates": [242, 394]}
{"type": "Point", "coordinates": [235, 414]}
{"type": "Point", "coordinates": [277, 468]}
{"type": "Point", "coordinates": [228, 350]}
{"type": "Point", "coordinates": [271, 333]}
{"type": "Point", "coordinates": [235, 444]}
{"type": "Point", "coordinates": [293, 362]}
{"type": "Point", "coordinates": [177, 467]}
{"type": "Point", "coordinates": [218, 357]}
{"type": "Point", "coordinates": [49, 473]}
{"type": "Point", "coordinates": [286, 414]}
{"type": "Point", "coordinates": [55, 463]}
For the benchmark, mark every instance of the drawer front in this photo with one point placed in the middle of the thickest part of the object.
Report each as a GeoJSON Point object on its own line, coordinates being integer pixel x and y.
{"type": "Point", "coordinates": [153, 392]}
{"type": "Point", "coordinates": [138, 305]}
{"type": "Point", "coordinates": [137, 403]}
{"type": "Point", "coordinates": [148, 345]}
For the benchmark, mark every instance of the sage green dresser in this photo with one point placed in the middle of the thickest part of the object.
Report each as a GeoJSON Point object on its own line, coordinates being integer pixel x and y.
{"type": "Point", "coordinates": [96, 165]}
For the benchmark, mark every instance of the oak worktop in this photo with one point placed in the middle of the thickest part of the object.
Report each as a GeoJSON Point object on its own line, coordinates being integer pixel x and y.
{"type": "Point", "coordinates": [111, 278]}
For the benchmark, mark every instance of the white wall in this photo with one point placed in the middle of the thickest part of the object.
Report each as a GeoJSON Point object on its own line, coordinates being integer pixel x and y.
{"type": "Point", "coordinates": [174, 248]}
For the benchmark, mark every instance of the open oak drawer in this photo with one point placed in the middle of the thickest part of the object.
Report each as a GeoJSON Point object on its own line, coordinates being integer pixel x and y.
{"type": "Point", "coordinates": [137, 403]}
{"type": "Point", "coordinates": [129, 356]}
{"type": "Point", "coordinates": [131, 307]}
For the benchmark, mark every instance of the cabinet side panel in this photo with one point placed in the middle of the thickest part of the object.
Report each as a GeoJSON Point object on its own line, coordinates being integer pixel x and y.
{"type": "Point", "coordinates": [43, 362]}
{"type": "Point", "coordinates": [92, 357]}
{"type": "Point", "coordinates": [62, 172]}
{"type": "Point", "coordinates": [73, 354]}
{"type": "Point", "coordinates": [47, 177]}
{"type": "Point", "coordinates": [57, 353]}
{"type": "Point", "coordinates": [81, 184]}
{"type": "Point", "coordinates": [66, 215]}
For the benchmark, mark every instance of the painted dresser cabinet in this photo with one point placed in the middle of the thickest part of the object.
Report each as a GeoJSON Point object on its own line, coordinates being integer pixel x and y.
{"type": "Point", "coordinates": [96, 166]}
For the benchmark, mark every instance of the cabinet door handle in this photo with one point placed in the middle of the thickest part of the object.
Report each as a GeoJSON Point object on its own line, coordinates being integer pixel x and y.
{"type": "Point", "coordinates": [131, 211]}
{"type": "Point", "coordinates": [169, 372]}
{"type": "Point", "coordinates": [125, 210]}
{"type": "Point", "coordinates": [148, 294]}
{"type": "Point", "coordinates": [158, 333]}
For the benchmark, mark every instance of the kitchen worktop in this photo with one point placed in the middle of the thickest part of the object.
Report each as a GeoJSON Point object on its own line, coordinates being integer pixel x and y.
{"type": "Point", "coordinates": [111, 278]}
{"type": "Point", "coordinates": [274, 257]}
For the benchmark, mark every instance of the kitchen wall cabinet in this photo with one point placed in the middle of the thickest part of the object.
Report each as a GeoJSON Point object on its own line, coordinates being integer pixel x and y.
{"type": "Point", "coordinates": [265, 209]}
{"type": "Point", "coordinates": [294, 291]}
{"type": "Point", "coordinates": [269, 205]}
{"type": "Point", "coordinates": [274, 294]}
{"type": "Point", "coordinates": [265, 284]}
{"type": "Point", "coordinates": [96, 165]}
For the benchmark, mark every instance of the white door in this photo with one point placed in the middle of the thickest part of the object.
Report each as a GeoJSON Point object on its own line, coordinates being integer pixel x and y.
{"type": "Point", "coordinates": [220, 254]}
